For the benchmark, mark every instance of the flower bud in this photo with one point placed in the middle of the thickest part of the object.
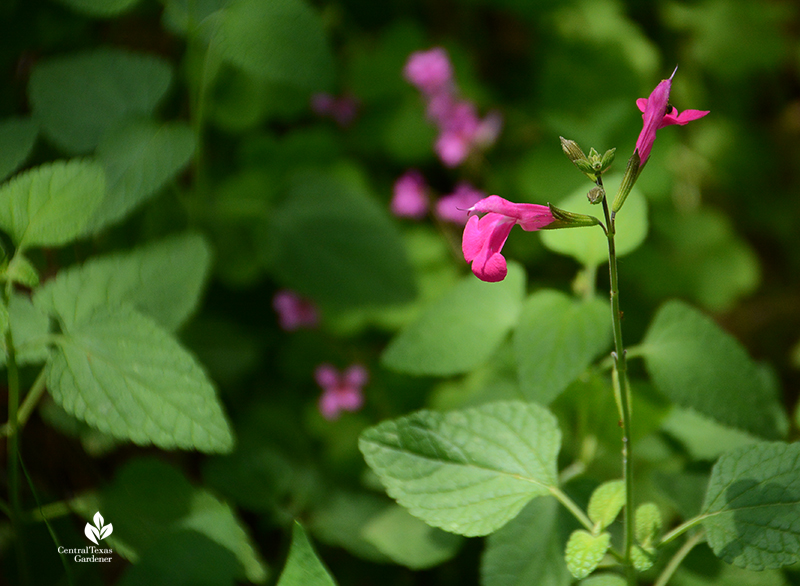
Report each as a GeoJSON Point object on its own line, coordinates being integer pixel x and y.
{"type": "Point", "coordinates": [575, 154]}
{"type": "Point", "coordinates": [596, 194]}
{"type": "Point", "coordinates": [607, 159]}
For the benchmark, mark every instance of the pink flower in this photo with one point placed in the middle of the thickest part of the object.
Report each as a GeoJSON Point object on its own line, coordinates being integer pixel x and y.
{"type": "Point", "coordinates": [454, 207]}
{"type": "Point", "coordinates": [340, 391]}
{"type": "Point", "coordinates": [429, 71]}
{"type": "Point", "coordinates": [658, 113]}
{"type": "Point", "coordinates": [294, 312]}
{"type": "Point", "coordinates": [410, 196]}
{"type": "Point", "coordinates": [484, 237]}
{"type": "Point", "coordinates": [342, 109]}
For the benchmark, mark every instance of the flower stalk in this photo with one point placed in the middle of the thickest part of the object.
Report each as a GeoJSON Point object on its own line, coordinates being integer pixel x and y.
{"type": "Point", "coordinates": [623, 392]}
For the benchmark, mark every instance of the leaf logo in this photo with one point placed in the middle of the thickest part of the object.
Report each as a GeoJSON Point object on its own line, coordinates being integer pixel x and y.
{"type": "Point", "coordinates": [98, 530]}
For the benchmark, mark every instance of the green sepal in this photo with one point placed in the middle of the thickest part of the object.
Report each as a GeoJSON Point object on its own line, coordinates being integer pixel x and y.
{"type": "Point", "coordinates": [596, 195]}
{"type": "Point", "coordinates": [628, 180]}
{"type": "Point", "coordinates": [565, 219]}
{"type": "Point", "coordinates": [585, 551]}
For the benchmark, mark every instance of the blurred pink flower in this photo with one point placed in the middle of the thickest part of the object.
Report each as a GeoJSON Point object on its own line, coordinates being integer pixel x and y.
{"type": "Point", "coordinates": [342, 109]}
{"type": "Point", "coordinates": [429, 71]}
{"type": "Point", "coordinates": [410, 196]}
{"type": "Point", "coordinates": [294, 312]}
{"type": "Point", "coordinates": [340, 391]}
{"type": "Point", "coordinates": [658, 113]}
{"type": "Point", "coordinates": [484, 237]}
{"type": "Point", "coordinates": [455, 206]}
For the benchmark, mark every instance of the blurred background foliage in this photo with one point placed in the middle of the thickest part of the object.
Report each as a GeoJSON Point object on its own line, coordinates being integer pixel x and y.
{"type": "Point", "coordinates": [289, 199]}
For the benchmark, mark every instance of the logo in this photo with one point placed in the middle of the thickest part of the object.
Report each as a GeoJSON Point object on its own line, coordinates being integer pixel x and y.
{"type": "Point", "coordinates": [98, 531]}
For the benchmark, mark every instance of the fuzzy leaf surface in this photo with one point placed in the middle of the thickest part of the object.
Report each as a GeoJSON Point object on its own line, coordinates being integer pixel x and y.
{"type": "Point", "coordinates": [467, 472]}
{"type": "Point", "coordinates": [752, 507]}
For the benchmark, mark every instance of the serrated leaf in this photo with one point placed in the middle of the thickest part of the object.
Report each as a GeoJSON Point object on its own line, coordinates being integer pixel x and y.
{"type": "Point", "coordinates": [459, 331]}
{"type": "Point", "coordinates": [51, 204]}
{"type": "Point", "coordinates": [408, 541]}
{"type": "Point", "coordinates": [304, 568]}
{"type": "Point", "coordinates": [606, 502]}
{"type": "Point", "coordinates": [30, 329]}
{"type": "Point", "coordinates": [470, 471]}
{"type": "Point", "coordinates": [752, 507]}
{"type": "Point", "coordinates": [696, 364]}
{"type": "Point", "coordinates": [585, 551]}
{"type": "Point", "coordinates": [281, 40]}
{"type": "Point", "coordinates": [335, 245]}
{"type": "Point", "coordinates": [528, 549]}
{"type": "Point", "coordinates": [162, 280]}
{"type": "Point", "coordinates": [643, 558]}
{"type": "Point", "coordinates": [647, 523]}
{"type": "Point", "coordinates": [17, 137]}
{"type": "Point", "coordinates": [589, 246]}
{"type": "Point", "coordinates": [100, 8]}
{"type": "Point", "coordinates": [122, 374]}
{"type": "Point", "coordinates": [153, 505]}
{"type": "Point", "coordinates": [556, 340]}
{"type": "Point", "coordinates": [139, 158]}
{"type": "Point", "coordinates": [78, 97]}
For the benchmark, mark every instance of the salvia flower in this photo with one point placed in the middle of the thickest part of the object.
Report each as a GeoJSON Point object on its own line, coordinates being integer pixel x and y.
{"type": "Point", "coordinates": [658, 113]}
{"type": "Point", "coordinates": [410, 196]}
{"type": "Point", "coordinates": [294, 312]}
{"type": "Point", "coordinates": [484, 237]}
{"type": "Point", "coordinates": [429, 71]}
{"type": "Point", "coordinates": [340, 391]}
{"type": "Point", "coordinates": [454, 207]}
{"type": "Point", "coordinates": [342, 109]}
{"type": "Point", "coordinates": [461, 130]}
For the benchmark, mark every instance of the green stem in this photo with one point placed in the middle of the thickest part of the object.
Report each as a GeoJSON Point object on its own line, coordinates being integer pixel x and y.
{"type": "Point", "coordinates": [680, 529]}
{"type": "Point", "coordinates": [621, 370]}
{"type": "Point", "coordinates": [27, 407]}
{"type": "Point", "coordinates": [570, 505]}
{"type": "Point", "coordinates": [678, 558]}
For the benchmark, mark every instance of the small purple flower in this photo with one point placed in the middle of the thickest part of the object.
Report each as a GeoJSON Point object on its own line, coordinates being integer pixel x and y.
{"type": "Point", "coordinates": [294, 312]}
{"type": "Point", "coordinates": [454, 207]}
{"type": "Point", "coordinates": [410, 196]}
{"type": "Point", "coordinates": [342, 109]}
{"type": "Point", "coordinates": [340, 391]}
{"type": "Point", "coordinates": [658, 113]}
{"type": "Point", "coordinates": [429, 71]}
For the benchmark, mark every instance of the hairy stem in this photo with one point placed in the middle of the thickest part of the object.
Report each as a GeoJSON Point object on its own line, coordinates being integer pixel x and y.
{"type": "Point", "coordinates": [621, 371]}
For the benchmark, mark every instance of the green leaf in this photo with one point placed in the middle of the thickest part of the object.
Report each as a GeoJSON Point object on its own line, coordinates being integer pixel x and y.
{"type": "Point", "coordinates": [408, 541]}
{"type": "Point", "coordinates": [78, 97]}
{"type": "Point", "coordinates": [100, 8]}
{"type": "Point", "coordinates": [17, 137]}
{"type": "Point", "coordinates": [461, 330]}
{"type": "Point", "coordinates": [162, 280]}
{"type": "Point", "coordinates": [643, 558]}
{"type": "Point", "coordinates": [648, 523]}
{"type": "Point", "coordinates": [139, 158]}
{"type": "Point", "coordinates": [30, 329]}
{"type": "Point", "coordinates": [152, 507]}
{"type": "Point", "coordinates": [606, 502]}
{"type": "Point", "coordinates": [702, 437]}
{"type": "Point", "coordinates": [589, 246]}
{"type": "Point", "coordinates": [752, 507]}
{"type": "Point", "coordinates": [51, 204]}
{"type": "Point", "coordinates": [556, 340]}
{"type": "Point", "coordinates": [528, 550]}
{"type": "Point", "coordinates": [696, 364]}
{"type": "Point", "coordinates": [334, 244]}
{"type": "Point", "coordinates": [470, 471]}
{"type": "Point", "coordinates": [604, 580]}
{"type": "Point", "coordinates": [281, 40]}
{"type": "Point", "coordinates": [585, 551]}
{"type": "Point", "coordinates": [121, 373]}
{"type": "Point", "coordinates": [21, 270]}
{"type": "Point", "coordinates": [304, 568]}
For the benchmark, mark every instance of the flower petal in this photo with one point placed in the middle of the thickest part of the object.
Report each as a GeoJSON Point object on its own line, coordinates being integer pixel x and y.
{"type": "Point", "coordinates": [326, 376]}
{"type": "Point", "coordinates": [684, 117]}
{"type": "Point", "coordinates": [528, 215]}
{"type": "Point", "coordinates": [482, 242]}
